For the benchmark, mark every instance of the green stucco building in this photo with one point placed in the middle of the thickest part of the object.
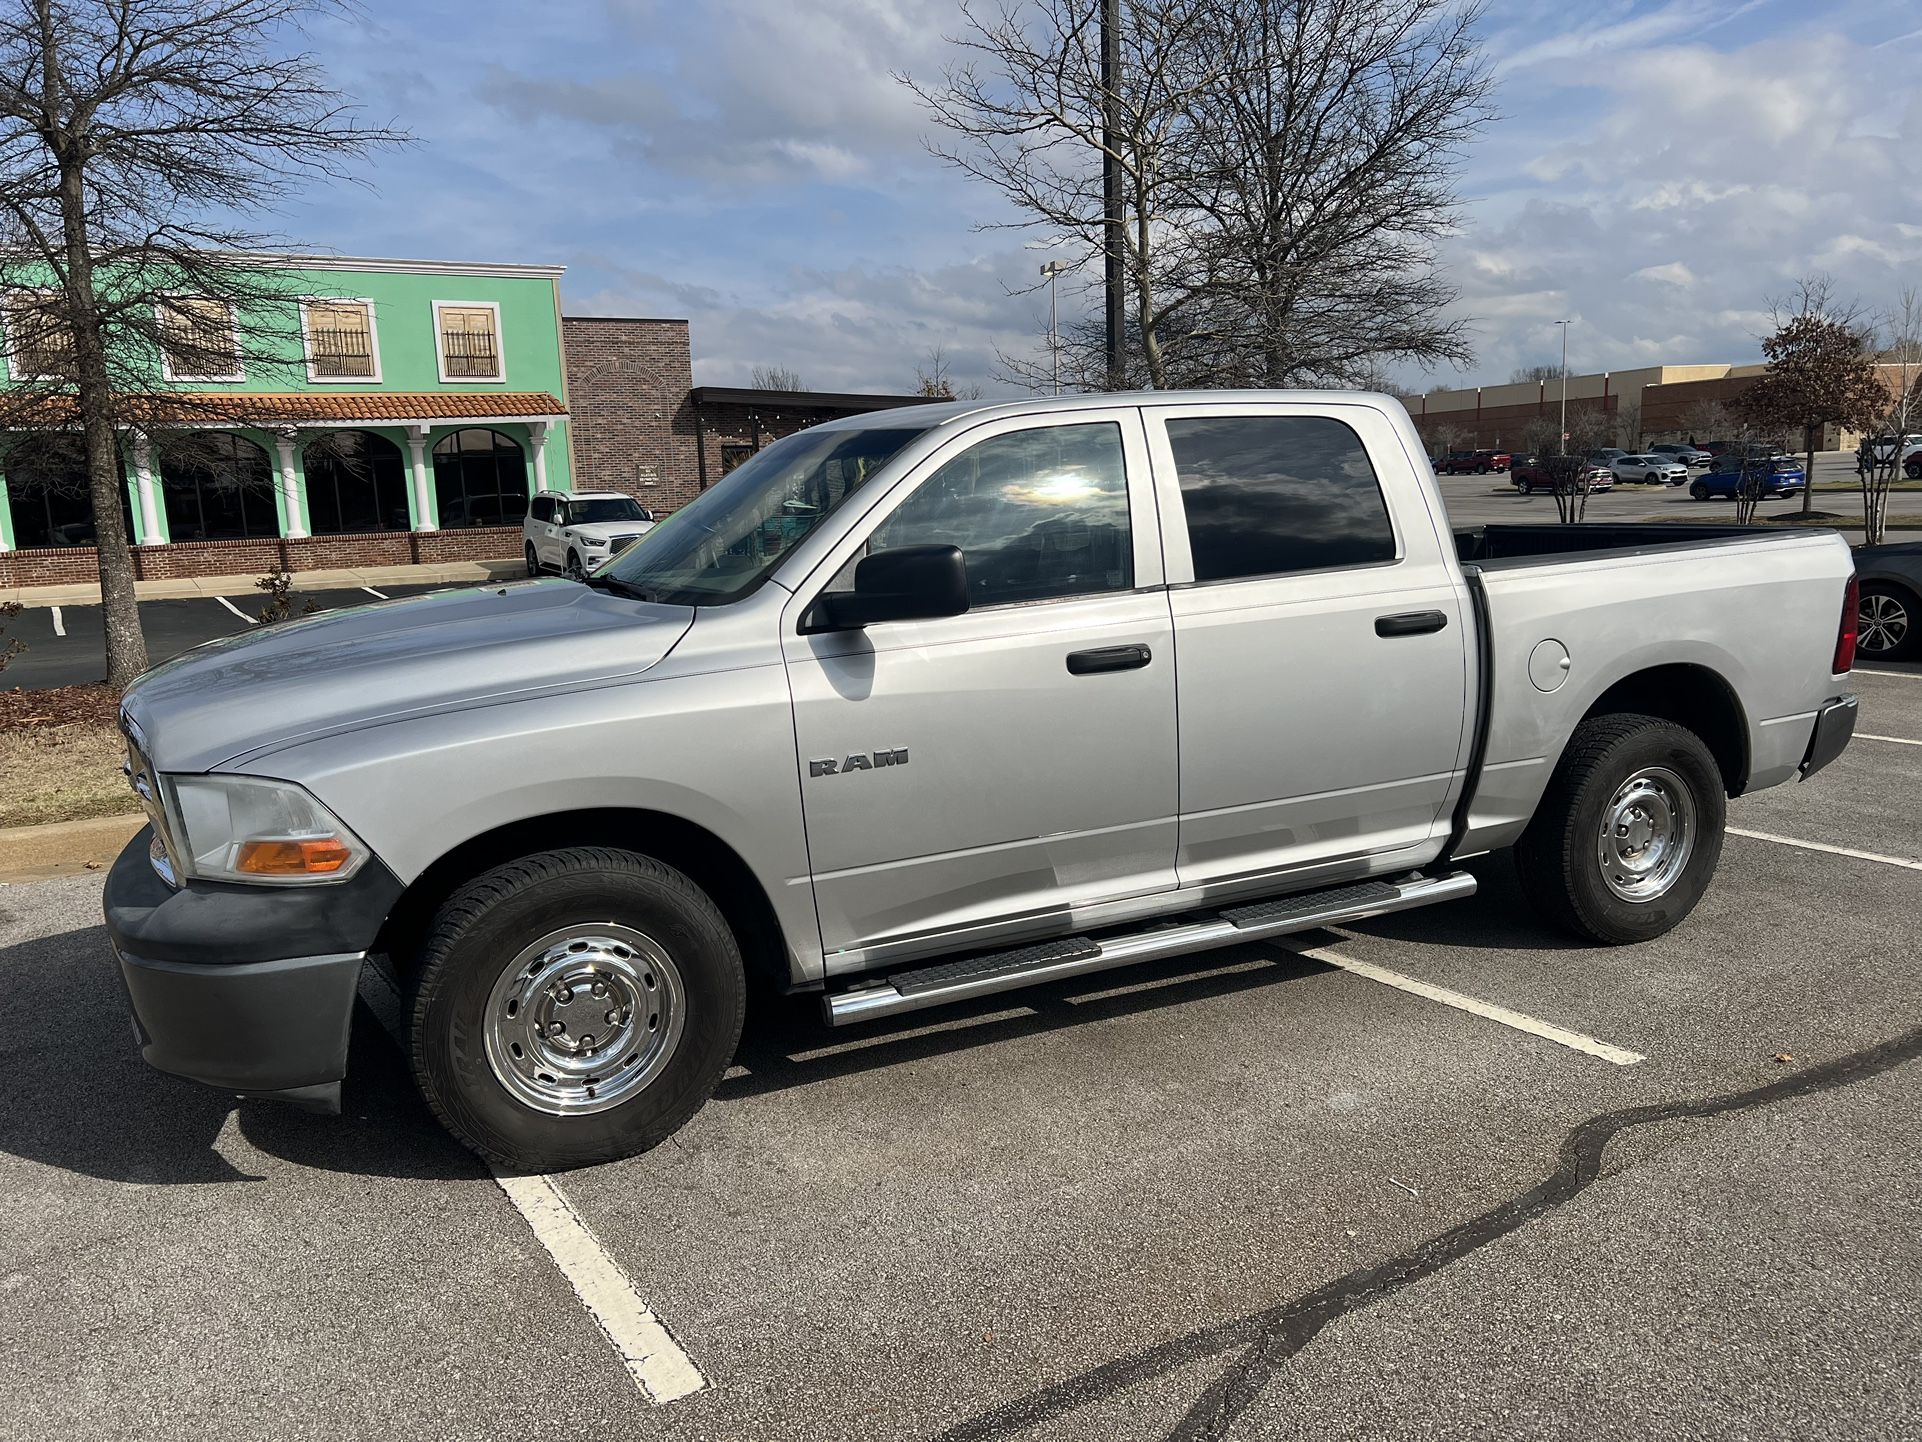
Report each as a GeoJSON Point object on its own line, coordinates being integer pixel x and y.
{"type": "Point", "coordinates": [400, 410]}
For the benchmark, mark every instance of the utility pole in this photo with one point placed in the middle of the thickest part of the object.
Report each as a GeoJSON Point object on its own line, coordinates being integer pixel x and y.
{"type": "Point", "coordinates": [1563, 444]}
{"type": "Point", "coordinates": [1111, 182]}
{"type": "Point", "coordinates": [1051, 270]}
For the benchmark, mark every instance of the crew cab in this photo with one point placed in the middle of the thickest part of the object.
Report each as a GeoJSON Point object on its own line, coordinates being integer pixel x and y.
{"type": "Point", "coordinates": [892, 714]}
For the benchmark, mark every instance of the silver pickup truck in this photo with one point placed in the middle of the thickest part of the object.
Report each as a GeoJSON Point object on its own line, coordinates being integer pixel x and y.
{"type": "Point", "coordinates": [929, 704]}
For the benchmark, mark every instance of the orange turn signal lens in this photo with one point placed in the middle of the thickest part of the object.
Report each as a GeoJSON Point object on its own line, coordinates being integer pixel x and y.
{"type": "Point", "coordinates": [312, 856]}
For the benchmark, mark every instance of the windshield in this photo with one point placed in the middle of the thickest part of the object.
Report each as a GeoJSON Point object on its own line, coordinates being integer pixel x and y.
{"type": "Point", "coordinates": [724, 544]}
{"type": "Point", "coordinates": [599, 512]}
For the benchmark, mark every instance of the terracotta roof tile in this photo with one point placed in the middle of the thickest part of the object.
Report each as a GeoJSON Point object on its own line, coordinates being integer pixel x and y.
{"type": "Point", "coordinates": [260, 408]}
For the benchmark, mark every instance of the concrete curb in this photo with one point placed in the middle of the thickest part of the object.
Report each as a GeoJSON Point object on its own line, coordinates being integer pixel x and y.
{"type": "Point", "coordinates": [187, 587]}
{"type": "Point", "coordinates": [63, 848]}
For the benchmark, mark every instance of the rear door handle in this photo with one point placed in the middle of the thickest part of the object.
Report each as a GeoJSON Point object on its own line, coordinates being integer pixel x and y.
{"type": "Point", "coordinates": [1410, 623]}
{"type": "Point", "coordinates": [1108, 658]}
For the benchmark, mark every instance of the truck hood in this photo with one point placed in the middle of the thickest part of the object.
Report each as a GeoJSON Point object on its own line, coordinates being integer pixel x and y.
{"type": "Point", "coordinates": [265, 689]}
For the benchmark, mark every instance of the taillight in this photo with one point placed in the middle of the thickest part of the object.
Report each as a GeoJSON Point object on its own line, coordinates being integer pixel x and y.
{"type": "Point", "coordinates": [1845, 637]}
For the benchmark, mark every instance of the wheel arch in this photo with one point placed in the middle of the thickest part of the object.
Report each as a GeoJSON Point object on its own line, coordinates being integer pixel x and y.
{"type": "Point", "coordinates": [705, 858]}
{"type": "Point", "coordinates": [1694, 697]}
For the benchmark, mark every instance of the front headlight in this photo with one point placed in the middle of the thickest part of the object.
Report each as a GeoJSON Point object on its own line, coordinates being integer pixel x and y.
{"type": "Point", "coordinates": [248, 828]}
{"type": "Point", "coordinates": [594, 543]}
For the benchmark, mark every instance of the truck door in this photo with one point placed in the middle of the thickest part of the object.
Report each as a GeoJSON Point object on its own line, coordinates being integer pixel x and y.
{"type": "Point", "coordinates": [1322, 685]}
{"type": "Point", "coordinates": [971, 779]}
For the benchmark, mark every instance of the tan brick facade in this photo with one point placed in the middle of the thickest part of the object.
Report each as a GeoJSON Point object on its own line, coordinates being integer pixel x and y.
{"type": "Point", "coordinates": [633, 425]}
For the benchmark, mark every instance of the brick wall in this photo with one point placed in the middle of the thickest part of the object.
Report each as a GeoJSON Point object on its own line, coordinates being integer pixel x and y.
{"type": "Point", "coordinates": [77, 564]}
{"type": "Point", "coordinates": [737, 425]}
{"type": "Point", "coordinates": [628, 409]}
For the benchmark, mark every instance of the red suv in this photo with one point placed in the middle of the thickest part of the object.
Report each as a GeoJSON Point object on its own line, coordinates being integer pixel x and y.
{"type": "Point", "coordinates": [1461, 463]}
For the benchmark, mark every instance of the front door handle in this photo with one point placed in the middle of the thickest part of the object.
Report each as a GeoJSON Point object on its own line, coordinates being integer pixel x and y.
{"type": "Point", "coordinates": [1410, 623]}
{"type": "Point", "coordinates": [1108, 658]}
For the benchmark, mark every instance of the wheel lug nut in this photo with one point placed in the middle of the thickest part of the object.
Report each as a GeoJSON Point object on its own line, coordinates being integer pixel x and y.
{"type": "Point", "coordinates": [564, 995]}
{"type": "Point", "coordinates": [613, 1018]}
{"type": "Point", "coordinates": [600, 988]}
{"type": "Point", "coordinates": [557, 1027]}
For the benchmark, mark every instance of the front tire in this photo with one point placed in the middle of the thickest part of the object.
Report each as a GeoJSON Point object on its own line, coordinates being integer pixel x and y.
{"type": "Point", "coordinates": [575, 570]}
{"type": "Point", "coordinates": [1698, 492]}
{"type": "Point", "coordinates": [1628, 833]}
{"type": "Point", "coordinates": [574, 1007]}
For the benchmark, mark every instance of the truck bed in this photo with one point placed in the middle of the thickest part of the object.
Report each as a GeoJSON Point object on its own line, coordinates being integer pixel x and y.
{"type": "Point", "coordinates": [1504, 547]}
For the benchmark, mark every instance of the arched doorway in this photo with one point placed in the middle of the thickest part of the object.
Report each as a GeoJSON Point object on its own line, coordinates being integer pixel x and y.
{"type": "Point", "coordinates": [356, 481]}
{"type": "Point", "coordinates": [217, 487]}
{"type": "Point", "coordinates": [480, 479]}
{"type": "Point", "coordinates": [50, 495]}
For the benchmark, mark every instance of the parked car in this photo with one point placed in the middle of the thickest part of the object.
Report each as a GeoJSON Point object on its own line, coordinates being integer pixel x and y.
{"type": "Point", "coordinates": [1687, 455]}
{"type": "Point", "coordinates": [1908, 452]}
{"type": "Point", "coordinates": [1461, 463]}
{"type": "Point", "coordinates": [575, 533]}
{"type": "Point", "coordinates": [1656, 470]}
{"type": "Point", "coordinates": [1775, 475]}
{"type": "Point", "coordinates": [1889, 616]}
{"type": "Point", "coordinates": [876, 758]}
{"type": "Point", "coordinates": [1551, 473]}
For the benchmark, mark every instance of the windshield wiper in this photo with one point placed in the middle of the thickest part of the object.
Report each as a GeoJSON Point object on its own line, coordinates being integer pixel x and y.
{"type": "Point", "coordinates": [622, 588]}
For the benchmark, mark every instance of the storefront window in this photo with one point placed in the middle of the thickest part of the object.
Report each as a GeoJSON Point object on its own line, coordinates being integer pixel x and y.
{"type": "Point", "coordinates": [356, 481]}
{"type": "Point", "coordinates": [217, 487]}
{"type": "Point", "coordinates": [480, 477]}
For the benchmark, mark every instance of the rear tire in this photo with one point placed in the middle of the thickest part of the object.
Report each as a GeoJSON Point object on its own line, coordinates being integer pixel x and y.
{"type": "Point", "coordinates": [533, 560]}
{"type": "Point", "coordinates": [1628, 833]}
{"type": "Point", "coordinates": [522, 961]}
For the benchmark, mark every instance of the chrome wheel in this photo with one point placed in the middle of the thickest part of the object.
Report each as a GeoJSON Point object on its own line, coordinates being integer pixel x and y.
{"type": "Point", "coordinates": [1648, 834]}
{"type": "Point", "coordinates": [1883, 623]}
{"type": "Point", "coordinates": [584, 1018]}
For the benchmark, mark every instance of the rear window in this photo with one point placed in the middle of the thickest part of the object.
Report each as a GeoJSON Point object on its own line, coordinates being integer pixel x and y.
{"type": "Point", "coordinates": [1268, 495]}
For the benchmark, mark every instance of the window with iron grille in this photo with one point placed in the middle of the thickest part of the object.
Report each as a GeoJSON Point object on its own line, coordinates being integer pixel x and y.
{"type": "Point", "coordinates": [39, 342]}
{"type": "Point", "coordinates": [197, 339]}
{"type": "Point", "coordinates": [469, 342]}
{"type": "Point", "coordinates": [340, 341]}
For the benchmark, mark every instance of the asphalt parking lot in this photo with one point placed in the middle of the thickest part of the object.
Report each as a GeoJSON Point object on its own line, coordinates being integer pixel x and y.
{"type": "Point", "coordinates": [1442, 1175]}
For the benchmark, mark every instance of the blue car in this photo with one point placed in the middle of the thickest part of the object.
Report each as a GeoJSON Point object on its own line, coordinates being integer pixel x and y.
{"type": "Point", "coordinates": [1778, 476]}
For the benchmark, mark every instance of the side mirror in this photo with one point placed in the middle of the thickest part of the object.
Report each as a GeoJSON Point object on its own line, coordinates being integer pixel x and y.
{"type": "Point", "coordinates": [908, 583]}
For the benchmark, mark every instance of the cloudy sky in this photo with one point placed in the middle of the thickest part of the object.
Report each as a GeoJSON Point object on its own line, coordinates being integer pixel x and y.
{"type": "Point", "coordinates": [1662, 167]}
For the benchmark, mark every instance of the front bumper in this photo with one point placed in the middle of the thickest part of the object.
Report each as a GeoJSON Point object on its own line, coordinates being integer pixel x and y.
{"type": "Point", "coordinates": [246, 988]}
{"type": "Point", "coordinates": [1834, 725]}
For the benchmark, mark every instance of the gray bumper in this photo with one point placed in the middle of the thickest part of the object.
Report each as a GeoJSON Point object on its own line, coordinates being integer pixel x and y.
{"type": "Point", "coordinates": [1834, 725]}
{"type": "Point", "coordinates": [262, 1028]}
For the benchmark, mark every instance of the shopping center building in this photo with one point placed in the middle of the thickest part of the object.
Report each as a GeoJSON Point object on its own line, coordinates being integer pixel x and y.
{"type": "Point", "coordinates": [398, 412]}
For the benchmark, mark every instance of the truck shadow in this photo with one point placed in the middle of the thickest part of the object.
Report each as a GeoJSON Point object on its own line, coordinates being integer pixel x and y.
{"type": "Point", "coordinates": [74, 1093]}
{"type": "Point", "coordinates": [1498, 917]}
{"type": "Point", "coordinates": [786, 1043]}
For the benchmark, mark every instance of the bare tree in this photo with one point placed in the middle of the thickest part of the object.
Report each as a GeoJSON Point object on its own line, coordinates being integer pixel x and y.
{"type": "Point", "coordinates": [1821, 370]}
{"type": "Point", "coordinates": [129, 131]}
{"type": "Point", "coordinates": [934, 379]}
{"type": "Point", "coordinates": [1900, 412]}
{"type": "Point", "coordinates": [1287, 171]}
{"type": "Point", "coordinates": [1625, 429]}
{"type": "Point", "coordinates": [1446, 436]}
{"type": "Point", "coordinates": [1588, 430]}
{"type": "Point", "coordinates": [1536, 373]}
{"type": "Point", "coordinates": [1707, 420]}
{"type": "Point", "coordinates": [775, 378]}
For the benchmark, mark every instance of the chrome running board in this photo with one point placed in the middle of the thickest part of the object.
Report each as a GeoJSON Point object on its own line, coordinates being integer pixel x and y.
{"type": "Point", "coordinates": [987, 974]}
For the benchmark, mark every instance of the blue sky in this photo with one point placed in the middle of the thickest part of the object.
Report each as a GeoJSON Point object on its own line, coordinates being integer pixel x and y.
{"type": "Point", "coordinates": [1662, 167]}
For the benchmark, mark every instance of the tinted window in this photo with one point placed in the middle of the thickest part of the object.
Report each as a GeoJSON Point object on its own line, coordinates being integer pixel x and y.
{"type": "Point", "coordinates": [543, 508]}
{"type": "Point", "coordinates": [1265, 495]}
{"type": "Point", "coordinates": [602, 510]}
{"type": "Point", "coordinates": [1038, 514]}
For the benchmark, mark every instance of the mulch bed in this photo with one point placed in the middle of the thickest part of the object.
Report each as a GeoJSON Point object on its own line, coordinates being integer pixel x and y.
{"type": "Point", "coordinates": [98, 703]}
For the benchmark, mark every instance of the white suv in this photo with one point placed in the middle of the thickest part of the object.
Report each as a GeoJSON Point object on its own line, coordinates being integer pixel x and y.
{"type": "Point", "coordinates": [576, 533]}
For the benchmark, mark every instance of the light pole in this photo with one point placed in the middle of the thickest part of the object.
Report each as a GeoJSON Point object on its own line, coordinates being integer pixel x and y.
{"type": "Point", "coordinates": [1562, 445]}
{"type": "Point", "coordinates": [1052, 269]}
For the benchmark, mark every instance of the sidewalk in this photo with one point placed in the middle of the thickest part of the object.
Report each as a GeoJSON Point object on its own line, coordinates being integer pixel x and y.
{"type": "Point", "coordinates": [88, 593]}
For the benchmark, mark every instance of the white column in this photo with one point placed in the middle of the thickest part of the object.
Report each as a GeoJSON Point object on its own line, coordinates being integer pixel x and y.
{"type": "Point", "coordinates": [417, 464]}
{"type": "Point", "coordinates": [143, 489]}
{"type": "Point", "coordinates": [289, 489]}
{"type": "Point", "coordinates": [537, 433]}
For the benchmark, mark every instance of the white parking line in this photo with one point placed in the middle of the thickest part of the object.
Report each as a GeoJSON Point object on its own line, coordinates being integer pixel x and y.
{"type": "Point", "coordinates": [647, 1349]}
{"type": "Point", "coordinates": [1521, 1021]}
{"type": "Point", "coordinates": [235, 609]}
{"type": "Point", "coordinates": [1898, 675]}
{"type": "Point", "coordinates": [1896, 740]}
{"type": "Point", "coordinates": [1823, 846]}
{"type": "Point", "coordinates": [653, 1358]}
{"type": "Point", "coordinates": [378, 595]}
{"type": "Point", "coordinates": [59, 621]}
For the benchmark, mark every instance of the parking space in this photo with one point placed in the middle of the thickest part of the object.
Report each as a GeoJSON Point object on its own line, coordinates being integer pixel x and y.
{"type": "Point", "coordinates": [65, 645]}
{"type": "Point", "coordinates": [1252, 1194]}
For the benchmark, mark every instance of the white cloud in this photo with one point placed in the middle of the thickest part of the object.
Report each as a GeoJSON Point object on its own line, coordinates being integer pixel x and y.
{"type": "Point", "coordinates": [1674, 273]}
